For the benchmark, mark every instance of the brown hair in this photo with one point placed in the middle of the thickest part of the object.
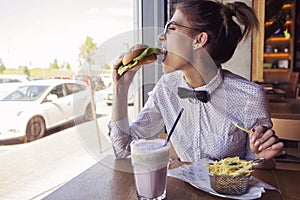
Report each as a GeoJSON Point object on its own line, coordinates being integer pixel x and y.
{"type": "Point", "coordinates": [216, 19]}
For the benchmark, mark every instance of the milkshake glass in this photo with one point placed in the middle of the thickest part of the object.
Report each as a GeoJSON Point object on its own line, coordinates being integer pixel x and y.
{"type": "Point", "coordinates": [150, 163]}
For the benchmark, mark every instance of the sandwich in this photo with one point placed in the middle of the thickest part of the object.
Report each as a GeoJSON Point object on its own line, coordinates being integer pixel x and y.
{"type": "Point", "coordinates": [138, 55]}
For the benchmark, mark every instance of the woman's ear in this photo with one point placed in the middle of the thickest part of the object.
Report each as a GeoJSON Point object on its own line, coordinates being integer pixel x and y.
{"type": "Point", "coordinates": [200, 40]}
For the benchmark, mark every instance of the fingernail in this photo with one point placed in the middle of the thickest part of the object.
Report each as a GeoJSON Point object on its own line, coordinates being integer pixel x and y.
{"type": "Point", "coordinates": [256, 143]}
{"type": "Point", "coordinates": [253, 138]}
{"type": "Point", "coordinates": [253, 130]}
{"type": "Point", "coordinates": [260, 148]}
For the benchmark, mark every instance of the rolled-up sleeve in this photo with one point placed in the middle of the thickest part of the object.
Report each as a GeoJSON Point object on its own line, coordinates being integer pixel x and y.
{"type": "Point", "coordinates": [148, 124]}
{"type": "Point", "coordinates": [119, 133]}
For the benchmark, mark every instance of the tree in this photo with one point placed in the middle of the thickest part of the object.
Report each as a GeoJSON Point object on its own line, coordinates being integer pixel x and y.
{"type": "Point", "coordinates": [106, 67]}
{"type": "Point", "coordinates": [26, 71]}
{"type": "Point", "coordinates": [62, 66]}
{"type": "Point", "coordinates": [54, 65]}
{"type": "Point", "coordinates": [86, 51]}
{"type": "Point", "coordinates": [2, 67]}
{"type": "Point", "coordinates": [68, 66]}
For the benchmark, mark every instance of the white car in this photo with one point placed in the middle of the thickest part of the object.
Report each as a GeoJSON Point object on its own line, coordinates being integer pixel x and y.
{"type": "Point", "coordinates": [9, 82]}
{"type": "Point", "coordinates": [108, 96]}
{"type": "Point", "coordinates": [14, 78]}
{"type": "Point", "coordinates": [39, 105]}
{"type": "Point", "coordinates": [107, 79]}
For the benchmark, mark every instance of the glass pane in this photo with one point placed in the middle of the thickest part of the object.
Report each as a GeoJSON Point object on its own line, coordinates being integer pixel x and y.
{"type": "Point", "coordinates": [50, 42]}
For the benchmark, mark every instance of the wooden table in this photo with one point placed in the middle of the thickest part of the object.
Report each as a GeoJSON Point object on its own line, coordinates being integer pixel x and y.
{"type": "Point", "coordinates": [113, 179]}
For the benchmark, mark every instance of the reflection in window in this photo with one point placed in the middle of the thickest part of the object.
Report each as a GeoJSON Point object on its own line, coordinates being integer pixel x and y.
{"type": "Point", "coordinates": [26, 93]}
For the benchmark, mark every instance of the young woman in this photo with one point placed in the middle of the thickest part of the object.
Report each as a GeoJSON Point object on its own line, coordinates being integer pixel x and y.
{"type": "Point", "coordinates": [201, 35]}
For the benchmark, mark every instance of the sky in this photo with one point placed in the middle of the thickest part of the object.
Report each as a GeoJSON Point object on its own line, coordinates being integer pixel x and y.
{"type": "Point", "coordinates": [35, 32]}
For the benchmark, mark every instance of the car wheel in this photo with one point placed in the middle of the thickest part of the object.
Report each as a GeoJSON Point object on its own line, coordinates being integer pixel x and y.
{"type": "Point", "coordinates": [36, 128]}
{"type": "Point", "coordinates": [88, 113]}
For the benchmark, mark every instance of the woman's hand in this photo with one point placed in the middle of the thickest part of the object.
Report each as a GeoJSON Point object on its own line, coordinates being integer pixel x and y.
{"type": "Point", "coordinates": [121, 86]}
{"type": "Point", "coordinates": [127, 77]}
{"type": "Point", "coordinates": [264, 143]}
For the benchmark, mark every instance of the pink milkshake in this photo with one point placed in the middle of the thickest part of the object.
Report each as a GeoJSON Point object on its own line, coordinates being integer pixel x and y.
{"type": "Point", "coordinates": [150, 162]}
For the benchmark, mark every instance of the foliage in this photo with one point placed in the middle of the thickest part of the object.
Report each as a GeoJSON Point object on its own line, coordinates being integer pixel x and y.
{"type": "Point", "coordinates": [2, 67]}
{"type": "Point", "coordinates": [106, 67]}
{"type": "Point", "coordinates": [86, 51]}
{"type": "Point", "coordinates": [26, 71]}
{"type": "Point", "coordinates": [68, 66]}
{"type": "Point", "coordinates": [54, 65]}
{"type": "Point", "coordinates": [41, 73]}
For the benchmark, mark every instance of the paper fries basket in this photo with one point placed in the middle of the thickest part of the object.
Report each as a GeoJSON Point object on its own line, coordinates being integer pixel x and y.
{"type": "Point", "coordinates": [234, 185]}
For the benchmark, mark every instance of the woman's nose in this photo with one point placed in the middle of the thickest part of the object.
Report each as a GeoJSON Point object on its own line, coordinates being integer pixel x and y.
{"type": "Point", "coordinates": [161, 37]}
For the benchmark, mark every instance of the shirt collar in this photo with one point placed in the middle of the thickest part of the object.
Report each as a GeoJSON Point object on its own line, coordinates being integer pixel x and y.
{"type": "Point", "coordinates": [210, 86]}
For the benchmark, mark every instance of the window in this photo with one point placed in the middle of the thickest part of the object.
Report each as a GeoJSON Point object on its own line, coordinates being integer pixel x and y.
{"type": "Point", "coordinates": [74, 88]}
{"type": "Point", "coordinates": [7, 80]}
{"type": "Point", "coordinates": [59, 91]}
{"type": "Point", "coordinates": [45, 38]}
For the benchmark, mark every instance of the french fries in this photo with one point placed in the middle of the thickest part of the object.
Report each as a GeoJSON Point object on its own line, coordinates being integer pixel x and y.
{"type": "Point", "coordinates": [243, 129]}
{"type": "Point", "coordinates": [232, 166]}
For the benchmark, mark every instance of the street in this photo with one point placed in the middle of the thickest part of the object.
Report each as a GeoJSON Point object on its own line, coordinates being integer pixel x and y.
{"type": "Point", "coordinates": [32, 170]}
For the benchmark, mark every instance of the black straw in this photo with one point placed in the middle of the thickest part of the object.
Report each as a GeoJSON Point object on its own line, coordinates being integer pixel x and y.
{"type": "Point", "coordinates": [173, 127]}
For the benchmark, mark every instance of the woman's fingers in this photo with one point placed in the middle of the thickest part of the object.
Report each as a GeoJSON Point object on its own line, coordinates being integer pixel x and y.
{"type": "Point", "coordinates": [277, 146]}
{"type": "Point", "coordinates": [118, 62]}
{"type": "Point", "coordinates": [265, 143]}
{"type": "Point", "coordinates": [270, 152]}
{"type": "Point", "coordinates": [267, 140]}
{"type": "Point", "coordinates": [116, 66]}
{"type": "Point", "coordinates": [264, 138]}
{"type": "Point", "coordinates": [255, 141]}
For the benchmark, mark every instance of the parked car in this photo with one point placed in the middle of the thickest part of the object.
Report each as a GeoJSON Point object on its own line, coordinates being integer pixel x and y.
{"type": "Point", "coordinates": [39, 105]}
{"type": "Point", "coordinates": [97, 83]}
{"type": "Point", "coordinates": [9, 82]}
{"type": "Point", "coordinates": [62, 77]}
{"type": "Point", "coordinates": [108, 96]}
{"type": "Point", "coordinates": [14, 78]}
{"type": "Point", "coordinates": [107, 79]}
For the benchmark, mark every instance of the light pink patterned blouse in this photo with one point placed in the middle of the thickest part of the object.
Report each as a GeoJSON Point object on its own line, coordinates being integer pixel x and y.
{"type": "Point", "coordinates": [205, 130]}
